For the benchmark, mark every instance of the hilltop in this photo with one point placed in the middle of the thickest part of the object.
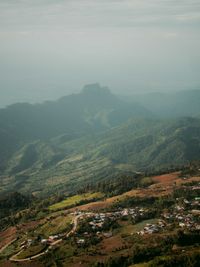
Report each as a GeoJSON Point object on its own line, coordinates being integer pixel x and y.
{"type": "Point", "coordinates": [93, 109]}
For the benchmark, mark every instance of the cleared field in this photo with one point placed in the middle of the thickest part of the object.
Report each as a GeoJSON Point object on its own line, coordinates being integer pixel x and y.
{"type": "Point", "coordinates": [143, 192]}
{"type": "Point", "coordinates": [134, 228]}
{"type": "Point", "coordinates": [111, 244]}
{"type": "Point", "coordinates": [163, 186]}
{"type": "Point", "coordinates": [31, 251]}
{"type": "Point", "coordinates": [7, 236]}
{"type": "Point", "coordinates": [55, 225]}
{"type": "Point", "coordinates": [166, 178]}
{"type": "Point", "coordinates": [75, 200]}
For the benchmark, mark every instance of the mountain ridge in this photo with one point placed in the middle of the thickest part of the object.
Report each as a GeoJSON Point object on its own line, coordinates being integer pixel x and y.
{"type": "Point", "coordinates": [76, 115]}
{"type": "Point", "coordinates": [139, 145]}
{"type": "Point", "coordinates": [87, 138]}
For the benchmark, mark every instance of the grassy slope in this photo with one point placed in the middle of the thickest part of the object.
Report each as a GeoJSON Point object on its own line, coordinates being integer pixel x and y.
{"type": "Point", "coordinates": [55, 225]}
{"type": "Point", "coordinates": [31, 251]}
{"type": "Point", "coordinates": [75, 200]}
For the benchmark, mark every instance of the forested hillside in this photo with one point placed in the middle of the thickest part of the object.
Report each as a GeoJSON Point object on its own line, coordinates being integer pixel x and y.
{"type": "Point", "coordinates": [62, 165]}
{"type": "Point", "coordinates": [94, 109]}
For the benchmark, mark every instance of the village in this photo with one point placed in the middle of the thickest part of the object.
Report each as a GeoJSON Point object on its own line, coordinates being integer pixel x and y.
{"type": "Point", "coordinates": [88, 226]}
{"type": "Point", "coordinates": [96, 223]}
{"type": "Point", "coordinates": [185, 215]}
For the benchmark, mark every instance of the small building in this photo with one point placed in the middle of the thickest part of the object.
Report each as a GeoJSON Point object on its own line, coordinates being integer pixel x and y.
{"type": "Point", "coordinates": [80, 241]}
{"type": "Point", "coordinates": [108, 234]}
{"type": "Point", "coordinates": [44, 241]}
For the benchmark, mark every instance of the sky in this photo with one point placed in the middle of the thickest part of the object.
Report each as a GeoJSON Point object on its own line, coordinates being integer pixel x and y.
{"type": "Point", "coordinates": [51, 48]}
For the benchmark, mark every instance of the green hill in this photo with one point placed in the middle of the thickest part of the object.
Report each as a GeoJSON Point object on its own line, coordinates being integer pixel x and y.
{"type": "Point", "coordinates": [94, 109]}
{"type": "Point", "coordinates": [61, 165]}
{"type": "Point", "coordinates": [92, 136]}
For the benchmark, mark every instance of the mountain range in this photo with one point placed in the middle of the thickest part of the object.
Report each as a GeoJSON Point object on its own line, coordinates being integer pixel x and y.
{"type": "Point", "coordinates": [169, 105]}
{"type": "Point", "coordinates": [62, 145]}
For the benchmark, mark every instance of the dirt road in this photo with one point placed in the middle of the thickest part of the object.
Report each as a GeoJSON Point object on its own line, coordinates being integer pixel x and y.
{"type": "Point", "coordinates": [15, 259]}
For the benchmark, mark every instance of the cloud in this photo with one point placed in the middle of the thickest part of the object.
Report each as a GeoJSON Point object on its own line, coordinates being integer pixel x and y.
{"type": "Point", "coordinates": [56, 44]}
{"type": "Point", "coordinates": [170, 35]}
{"type": "Point", "coordinates": [66, 14]}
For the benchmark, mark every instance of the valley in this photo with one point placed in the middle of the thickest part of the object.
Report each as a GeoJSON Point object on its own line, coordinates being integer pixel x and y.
{"type": "Point", "coordinates": [56, 148]}
{"type": "Point", "coordinates": [110, 230]}
{"type": "Point", "coordinates": [94, 180]}
{"type": "Point", "coordinates": [141, 145]}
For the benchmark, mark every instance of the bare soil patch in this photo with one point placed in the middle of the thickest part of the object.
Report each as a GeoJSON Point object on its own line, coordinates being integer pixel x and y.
{"type": "Point", "coordinates": [111, 244]}
{"type": "Point", "coordinates": [166, 178]}
{"type": "Point", "coordinates": [7, 236]}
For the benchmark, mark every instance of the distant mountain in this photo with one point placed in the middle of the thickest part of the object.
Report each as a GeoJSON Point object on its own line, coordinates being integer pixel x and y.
{"type": "Point", "coordinates": [94, 109]}
{"type": "Point", "coordinates": [153, 144]}
{"type": "Point", "coordinates": [178, 104]}
{"type": "Point", "coordinates": [92, 136]}
{"type": "Point", "coordinates": [65, 165]}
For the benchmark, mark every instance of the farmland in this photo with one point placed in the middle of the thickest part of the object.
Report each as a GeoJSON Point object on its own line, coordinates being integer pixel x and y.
{"type": "Point", "coordinates": [75, 200]}
{"type": "Point", "coordinates": [112, 229]}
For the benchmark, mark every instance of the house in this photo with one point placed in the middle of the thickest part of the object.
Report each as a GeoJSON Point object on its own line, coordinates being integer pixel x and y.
{"type": "Point", "coordinates": [29, 242]}
{"type": "Point", "coordinates": [23, 243]}
{"type": "Point", "coordinates": [197, 227]}
{"type": "Point", "coordinates": [108, 234]}
{"type": "Point", "coordinates": [86, 233]}
{"type": "Point", "coordinates": [179, 208]}
{"type": "Point", "coordinates": [44, 241]}
{"type": "Point", "coordinates": [125, 212]}
{"type": "Point", "coordinates": [186, 201]}
{"type": "Point", "coordinates": [179, 217]}
{"type": "Point", "coordinates": [80, 241]}
{"type": "Point", "coordinates": [53, 237]}
{"type": "Point", "coordinates": [195, 212]}
{"type": "Point", "coordinates": [141, 232]}
{"type": "Point", "coordinates": [161, 223]}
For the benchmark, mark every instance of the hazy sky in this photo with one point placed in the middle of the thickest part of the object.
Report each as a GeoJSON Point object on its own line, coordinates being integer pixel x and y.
{"type": "Point", "coordinates": [50, 48]}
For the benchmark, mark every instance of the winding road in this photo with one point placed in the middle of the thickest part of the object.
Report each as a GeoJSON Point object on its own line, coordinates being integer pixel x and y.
{"type": "Point", "coordinates": [7, 245]}
{"type": "Point", "coordinates": [72, 231]}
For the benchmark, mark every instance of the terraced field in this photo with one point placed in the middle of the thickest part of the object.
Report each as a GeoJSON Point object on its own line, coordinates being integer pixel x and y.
{"type": "Point", "coordinates": [75, 200]}
{"type": "Point", "coordinates": [61, 219]}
